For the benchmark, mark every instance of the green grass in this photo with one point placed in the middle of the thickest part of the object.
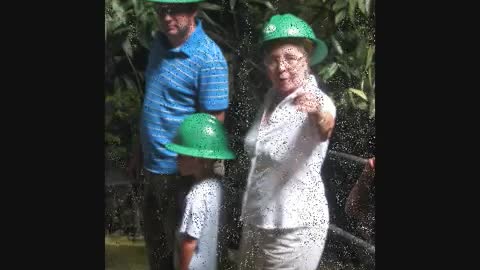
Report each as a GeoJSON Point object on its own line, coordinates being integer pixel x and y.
{"type": "Point", "coordinates": [124, 254]}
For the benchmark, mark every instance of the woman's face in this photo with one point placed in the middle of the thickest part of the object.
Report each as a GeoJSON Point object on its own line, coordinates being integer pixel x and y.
{"type": "Point", "coordinates": [287, 67]}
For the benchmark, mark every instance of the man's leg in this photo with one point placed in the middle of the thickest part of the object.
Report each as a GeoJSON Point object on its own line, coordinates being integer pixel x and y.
{"type": "Point", "coordinates": [180, 189]}
{"type": "Point", "coordinates": [155, 208]}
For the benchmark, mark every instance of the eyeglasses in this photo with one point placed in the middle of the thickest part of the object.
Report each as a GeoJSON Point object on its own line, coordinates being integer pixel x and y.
{"type": "Point", "coordinates": [290, 60]}
{"type": "Point", "coordinates": [163, 10]}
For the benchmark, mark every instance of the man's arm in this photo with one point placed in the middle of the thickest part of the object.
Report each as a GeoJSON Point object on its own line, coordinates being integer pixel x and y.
{"type": "Point", "coordinates": [213, 95]}
{"type": "Point", "coordinates": [219, 165]}
{"type": "Point", "coordinates": [220, 115]}
{"type": "Point", "coordinates": [358, 197]}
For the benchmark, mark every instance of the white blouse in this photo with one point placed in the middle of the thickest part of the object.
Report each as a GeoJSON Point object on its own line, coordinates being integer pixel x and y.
{"type": "Point", "coordinates": [284, 186]}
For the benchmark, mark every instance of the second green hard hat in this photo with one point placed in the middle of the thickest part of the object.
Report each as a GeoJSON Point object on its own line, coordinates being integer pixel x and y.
{"type": "Point", "coordinates": [201, 135]}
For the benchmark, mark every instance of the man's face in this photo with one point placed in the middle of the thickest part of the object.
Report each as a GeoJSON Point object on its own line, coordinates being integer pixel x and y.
{"type": "Point", "coordinates": [175, 19]}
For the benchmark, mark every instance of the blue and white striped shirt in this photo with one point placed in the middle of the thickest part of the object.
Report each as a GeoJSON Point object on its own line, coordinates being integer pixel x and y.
{"type": "Point", "coordinates": [179, 81]}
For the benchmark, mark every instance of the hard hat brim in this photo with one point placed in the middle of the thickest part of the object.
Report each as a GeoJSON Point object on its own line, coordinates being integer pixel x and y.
{"type": "Point", "coordinates": [200, 153]}
{"type": "Point", "coordinates": [319, 53]}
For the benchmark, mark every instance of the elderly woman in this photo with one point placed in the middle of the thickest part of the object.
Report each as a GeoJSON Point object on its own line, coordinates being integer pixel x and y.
{"type": "Point", "coordinates": [285, 212]}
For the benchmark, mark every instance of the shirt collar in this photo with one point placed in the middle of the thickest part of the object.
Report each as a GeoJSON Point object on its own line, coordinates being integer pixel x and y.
{"type": "Point", "coordinates": [193, 41]}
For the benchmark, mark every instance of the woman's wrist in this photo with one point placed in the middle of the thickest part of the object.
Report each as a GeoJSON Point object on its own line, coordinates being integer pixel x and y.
{"type": "Point", "coordinates": [319, 117]}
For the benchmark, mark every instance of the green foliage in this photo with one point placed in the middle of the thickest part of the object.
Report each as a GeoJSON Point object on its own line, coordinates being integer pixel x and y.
{"type": "Point", "coordinates": [129, 28]}
{"type": "Point", "coordinates": [348, 27]}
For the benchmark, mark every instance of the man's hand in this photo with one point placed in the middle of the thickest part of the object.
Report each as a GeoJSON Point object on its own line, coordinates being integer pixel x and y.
{"type": "Point", "coordinates": [220, 115]}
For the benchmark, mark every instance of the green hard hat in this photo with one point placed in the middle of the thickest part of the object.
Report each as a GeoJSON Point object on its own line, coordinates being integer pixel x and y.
{"type": "Point", "coordinates": [176, 1]}
{"type": "Point", "coordinates": [290, 26]}
{"type": "Point", "coordinates": [201, 135]}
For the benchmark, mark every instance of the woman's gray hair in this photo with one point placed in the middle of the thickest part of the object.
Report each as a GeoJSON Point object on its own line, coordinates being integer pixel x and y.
{"type": "Point", "coordinates": [304, 43]}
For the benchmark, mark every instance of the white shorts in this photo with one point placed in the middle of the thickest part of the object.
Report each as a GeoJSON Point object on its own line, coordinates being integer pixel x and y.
{"type": "Point", "coordinates": [296, 248]}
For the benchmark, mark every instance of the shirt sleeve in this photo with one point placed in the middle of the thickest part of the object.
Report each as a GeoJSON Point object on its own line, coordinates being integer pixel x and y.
{"type": "Point", "coordinates": [328, 105]}
{"type": "Point", "coordinates": [213, 85]}
{"type": "Point", "coordinates": [194, 217]}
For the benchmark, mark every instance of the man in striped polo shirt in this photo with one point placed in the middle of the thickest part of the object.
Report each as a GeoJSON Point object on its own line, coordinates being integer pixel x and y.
{"type": "Point", "coordinates": [186, 73]}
